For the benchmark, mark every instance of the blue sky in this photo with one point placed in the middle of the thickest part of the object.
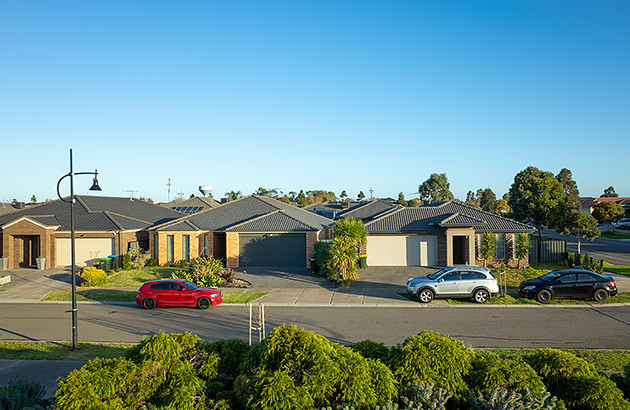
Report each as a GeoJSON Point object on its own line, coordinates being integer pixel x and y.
{"type": "Point", "coordinates": [335, 95]}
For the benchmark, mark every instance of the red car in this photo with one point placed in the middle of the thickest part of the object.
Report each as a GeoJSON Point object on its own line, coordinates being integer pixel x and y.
{"type": "Point", "coordinates": [176, 292]}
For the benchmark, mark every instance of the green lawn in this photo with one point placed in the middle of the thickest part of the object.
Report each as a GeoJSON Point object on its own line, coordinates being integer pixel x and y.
{"type": "Point", "coordinates": [60, 351]}
{"type": "Point", "coordinates": [116, 295]}
{"type": "Point", "coordinates": [515, 299]}
{"type": "Point", "coordinates": [603, 360]}
{"type": "Point", "coordinates": [135, 278]}
{"type": "Point", "coordinates": [615, 235]}
{"type": "Point", "coordinates": [619, 269]}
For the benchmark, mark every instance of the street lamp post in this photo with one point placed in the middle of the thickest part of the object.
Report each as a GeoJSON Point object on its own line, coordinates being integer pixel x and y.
{"type": "Point", "coordinates": [94, 187]}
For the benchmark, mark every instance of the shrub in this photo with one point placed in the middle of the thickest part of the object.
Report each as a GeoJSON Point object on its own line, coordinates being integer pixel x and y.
{"type": "Point", "coordinates": [139, 258]}
{"type": "Point", "coordinates": [576, 381]}
{"type": "Point", "coordinates": [322, 259]}
{"type": "Point", "coordinates": [295, 369]}
{"type": "Point", "coordinates": [168, 371]}
{"type": "Point", "coordinates": [623, 382]}
{"type": "Point", "coordinates": [502, 399]}
{"type": "Point", "coordinates": [181, 264]}
{"type": "Point", "coordinates": [206, 271]}
{"type": "Point", "coordinates": [432, 358]}
{"type": "Point", "coordinates": [22, 394]}
{"type": "Point", "coordinates": [513, 374]}
{"type": "Point", "coordinates": [91, 276]}
{"type": "Point", "coordinates": [151, 262]}
{"type": "Point", "coordinates": [371, 350]}
{"type": "Point", "coordinates": [126, 261]}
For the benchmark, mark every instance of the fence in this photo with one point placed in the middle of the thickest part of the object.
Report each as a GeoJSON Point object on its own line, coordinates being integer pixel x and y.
{"type": "Point", "coordinates": [552, 250]}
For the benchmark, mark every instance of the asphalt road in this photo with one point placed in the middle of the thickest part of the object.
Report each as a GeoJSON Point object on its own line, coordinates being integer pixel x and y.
{"type": "Point", "coordinates": [486, 326]}
{"type": "Point", "coordinates": [615, 251]}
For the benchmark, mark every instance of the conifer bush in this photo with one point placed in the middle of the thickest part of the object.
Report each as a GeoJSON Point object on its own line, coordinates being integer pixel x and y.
{"type": "Point", "coordinates": [296, 369]}
{"type": "Point", "coordinates": [371, 350]}
{"type": "Point", "coordinates": [510, 373]}
{"type": "Point", "coordinates": [503, 399]}
{"type": "Point", "coordinates": [23, 394]}
{"type": "Point", "coordinates": [433, 358]}
{"type": "Point", "coordinates": [576, 381]}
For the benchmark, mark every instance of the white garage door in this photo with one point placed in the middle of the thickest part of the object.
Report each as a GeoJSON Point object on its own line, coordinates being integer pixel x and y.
{"type": "Point", "coordinates": [411, 250]}
{"type": "Point", "coordinates": [87, 250]}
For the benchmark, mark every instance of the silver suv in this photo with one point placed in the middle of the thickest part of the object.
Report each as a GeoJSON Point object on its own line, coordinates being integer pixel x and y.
{"type": "Point", "coordinates": [455, 281]}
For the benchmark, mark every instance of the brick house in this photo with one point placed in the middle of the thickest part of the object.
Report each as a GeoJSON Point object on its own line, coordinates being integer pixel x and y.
{"type": "Point", "coordinates": [251, 231]}
{"type": "Point", "coordinates": [438, 234]}
{"type": "Point", "coordinates": [103, 226]}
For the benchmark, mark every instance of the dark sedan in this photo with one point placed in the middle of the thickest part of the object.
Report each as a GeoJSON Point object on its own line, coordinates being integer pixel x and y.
{"type": "Point", "coordinates": [569, 284]}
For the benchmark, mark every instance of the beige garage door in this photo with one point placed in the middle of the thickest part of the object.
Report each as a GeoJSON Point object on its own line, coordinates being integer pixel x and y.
{"type": "Point", "coordinates": [87, 250]}
{"type": "Point", "coordinates": [402, 250]}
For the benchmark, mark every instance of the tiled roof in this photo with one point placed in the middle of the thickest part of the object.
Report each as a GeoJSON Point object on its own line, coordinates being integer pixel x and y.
{"type": "Point", "coordinates": [436, 217]}
{"type": "Point", "coordinates": [181, 226]}
{"type": "Point", "coordinates": [252, 208]}
{"type": "Point", "coordinates": [93, 213]}
{"type": "Point", "coordinates": [369, 210]}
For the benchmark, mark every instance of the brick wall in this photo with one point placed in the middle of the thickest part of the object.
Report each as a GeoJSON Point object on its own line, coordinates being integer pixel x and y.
{"type": "Point", "coordinates": [442, 250]}
{"type": "Point", "coordinates": [14, 236]}
{"type": "Point", "coordinates": [232, 249]}
{"type": "Point", "coordinates": [311, 238]}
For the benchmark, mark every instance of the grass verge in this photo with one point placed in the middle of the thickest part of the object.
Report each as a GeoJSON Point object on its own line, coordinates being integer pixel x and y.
{"type": "Point", "coordinates": [515, 299]}
{"type": "Point", "coordinates": [60, 351]}
{"type": "Point", "coordinates": [115, 295]}
{"type": "Point", "coordinates": [619, 269]}
{"type": "Point", "coordinates": [135, 278]}
{"type": "Point", "coordinates": [615, 235]}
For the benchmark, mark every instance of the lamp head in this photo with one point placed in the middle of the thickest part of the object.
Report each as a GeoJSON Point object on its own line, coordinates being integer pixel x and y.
{"type": "Point", "coordinates": [95, 186]}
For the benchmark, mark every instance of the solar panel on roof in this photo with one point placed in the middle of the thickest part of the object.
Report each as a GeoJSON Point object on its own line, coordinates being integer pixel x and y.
{"type": "Point", "coordinates": [188, 209]}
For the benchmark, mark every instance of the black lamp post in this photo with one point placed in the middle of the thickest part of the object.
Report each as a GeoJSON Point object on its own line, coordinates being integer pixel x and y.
{"type": "Point", "coordinates": [94, 187]}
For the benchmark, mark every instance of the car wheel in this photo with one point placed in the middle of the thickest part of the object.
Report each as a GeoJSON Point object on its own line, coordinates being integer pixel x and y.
{"type": "Point", "coordinates": [425, 295]}
{"type": "Point", "coordinates": [481, 296]}
{"type": "Point", "coordinates": [600, 295]}
{"type": "Point", "coordinates": [149, 303]}
{"type": "Point", "coordinates": [203, 303]}
{"type": "Point", "coordinates": [544, 296]}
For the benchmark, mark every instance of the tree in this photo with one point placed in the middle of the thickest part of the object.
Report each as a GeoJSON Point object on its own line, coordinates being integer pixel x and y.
{"type": "Point", "coordinates": [413, 202]}
{"type": "Point", "coordinates": [579, 224]}
{"type": "Point", "coordinates": [536, 197]}
{"type": "Point", "coordinates": [472, 200]}
{"type": "Point", "coordinates": [435, 189]}
{"type": "Point", "coordinates": [522, 247]}
{"type": "Point", "coordinates": [361, 196]}
{"type": "Point", "coordinates": [350, 234]}
{"type": "Point", "coordinates": [610, 192]}
{"type": "Point", "coordinates": [33, 199]}
{"type": "Point", "coordinates": [570, 188]}
{"type": "Point", "coordinates": [488, 200]}
{"type": "Point", "coordinates": [343, 195]}
{"type": "Point", "coordinates": [14, 201]}
{"type": "Point", "coordinates": [233, 195]}
{"type": "Point", "coordinates": [300, 199]}
{"type": "Point", "coordinates": [401, 200]}
{"type": "Point", "coordinates": [502, 207]}
{"type": "Point", "coordinates": [487, 247]}
{"type": "Point", "coordinates": [271, 193]}
{"type": "Point", "coordinates": [606, 212]}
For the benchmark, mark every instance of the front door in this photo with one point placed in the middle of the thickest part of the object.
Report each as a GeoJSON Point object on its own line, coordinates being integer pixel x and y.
{"type": "Point", "coordinates": [459, 250]}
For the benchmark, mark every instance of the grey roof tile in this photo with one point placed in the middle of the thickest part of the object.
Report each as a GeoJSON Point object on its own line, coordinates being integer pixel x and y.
{"type": "Point", "coordinates": [430, 217]}
{"type": "Point", "coordinates": [277, 221]}
{"type": "Point", "coordinates": [369, 210]}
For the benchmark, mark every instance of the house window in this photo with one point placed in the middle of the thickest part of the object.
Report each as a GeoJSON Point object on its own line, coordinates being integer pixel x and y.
{"type": "Point", "coordinates": [206, 245]}
{"type": "Point", "coordinates": [186, 247]}
{"type": "Point", "coordinates": [156, 248]}
{"type": "Point", "coordinates": [170, 247]}
{"type": "Point", "coordinates": [500, 246]}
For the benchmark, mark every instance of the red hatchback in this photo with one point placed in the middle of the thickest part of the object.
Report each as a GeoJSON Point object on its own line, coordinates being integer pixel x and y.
{"type": "Point", "coordinates": [176, 292]}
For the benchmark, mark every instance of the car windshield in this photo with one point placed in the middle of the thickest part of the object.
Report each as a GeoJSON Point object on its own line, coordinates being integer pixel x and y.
{"type": "Point", "coordinates": [550, 276]}
{"type": "Point", "coordinates": [189, 285]}
{"type": "Point", "coordinates": [440, 272]}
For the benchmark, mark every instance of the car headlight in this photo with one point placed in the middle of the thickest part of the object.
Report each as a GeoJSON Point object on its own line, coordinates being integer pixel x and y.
{"type": "Point", "coordinates": [214, 295]}
{"type": "Point", "coordinates": [530, 287]}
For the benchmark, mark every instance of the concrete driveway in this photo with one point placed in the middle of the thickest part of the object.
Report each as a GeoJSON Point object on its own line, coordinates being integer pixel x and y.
{"type": "Point", "coordinates": [32, 284]}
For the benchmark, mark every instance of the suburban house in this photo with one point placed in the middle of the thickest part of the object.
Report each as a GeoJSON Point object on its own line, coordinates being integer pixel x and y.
{"type": "Point", "coordinates": [588, 203]}
{"type": "Point", "coordinates": [250, 231]}
{"type": "Point", "coordinates": [437, 234]}
{"type": "Point", "coordinates": [103, 226]}
{"type": "Point", "coordinates": [344, 209]}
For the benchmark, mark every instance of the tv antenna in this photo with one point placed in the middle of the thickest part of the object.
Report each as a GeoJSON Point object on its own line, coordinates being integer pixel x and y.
{"type": "Point", "coordinates": [169, 190]}
{"type": "Point", "coordinates": [131, 191]}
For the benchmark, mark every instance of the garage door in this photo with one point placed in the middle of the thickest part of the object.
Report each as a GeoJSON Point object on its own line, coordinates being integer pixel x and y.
{"type": "Point", "coordinates": [282, 250]}
{"type": "Point", "coordinates": [403, 250]}
{"type": "Point", "coordinates": [87, 250]}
